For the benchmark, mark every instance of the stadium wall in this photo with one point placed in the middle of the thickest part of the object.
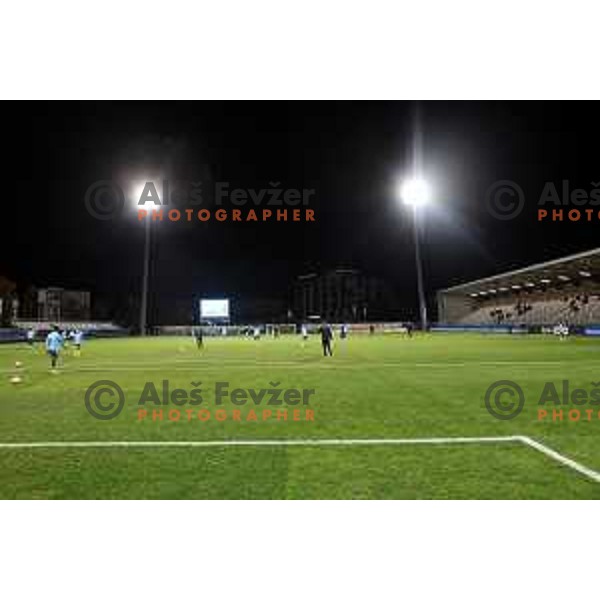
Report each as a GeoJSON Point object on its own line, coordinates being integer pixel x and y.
{"type": "Point", "coordinates": [90, 329]}
{"type": "Point", "coordinates": [452, 308]}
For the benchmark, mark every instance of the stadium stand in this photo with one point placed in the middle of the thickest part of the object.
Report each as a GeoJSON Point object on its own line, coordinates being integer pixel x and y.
{"type": "Point", "coordinates": [565, 291]}
{"type": "Point", "coordinates": [569, 310]}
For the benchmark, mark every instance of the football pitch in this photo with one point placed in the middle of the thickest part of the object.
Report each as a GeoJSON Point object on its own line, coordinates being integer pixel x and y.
{"type": "Point", "coordinates": [387, 417]}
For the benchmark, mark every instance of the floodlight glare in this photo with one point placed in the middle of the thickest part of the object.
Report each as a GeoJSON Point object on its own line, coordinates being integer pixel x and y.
{"type": "Point", "coordinates": [146, 189]}
{"type": "Point", "coordinates": [415, 192]}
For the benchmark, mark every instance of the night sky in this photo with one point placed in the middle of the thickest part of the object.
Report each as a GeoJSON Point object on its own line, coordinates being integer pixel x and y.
{"type": "Point", "coordinates": [351, 153]}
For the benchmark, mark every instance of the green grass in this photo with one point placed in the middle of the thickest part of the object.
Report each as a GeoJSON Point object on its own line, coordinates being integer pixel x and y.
{"type": "Point", "coordinates": [374, 387]}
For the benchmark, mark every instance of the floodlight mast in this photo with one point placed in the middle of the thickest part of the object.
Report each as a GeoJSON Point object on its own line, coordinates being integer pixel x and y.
{"type": "Point", "coordinates": [415, 194]}
{"type": "Point", "coordinates": [146, 272]}
{"type": "Point", "coordinates": [420, 285]}
{"type": "Point", "coordinates": [141, 196]}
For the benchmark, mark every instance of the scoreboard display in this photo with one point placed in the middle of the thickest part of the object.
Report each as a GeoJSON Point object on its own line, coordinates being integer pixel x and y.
{"type": "Point", "coordinates": [214, 309]}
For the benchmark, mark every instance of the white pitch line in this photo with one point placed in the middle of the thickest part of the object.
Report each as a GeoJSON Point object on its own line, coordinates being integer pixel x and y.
{"type": "Point", "coordinates": [184, 366]}
{"type": "Point", "coordinates": [213, 362]}
{"type": "Point", "coordinates": [527, 441]}
{"type": "Point", "coordinates": [266, 442]}
{"type": "Point", "coordinates": [560, 458]}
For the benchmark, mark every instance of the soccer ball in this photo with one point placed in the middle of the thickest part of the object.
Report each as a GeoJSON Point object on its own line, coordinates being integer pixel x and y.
{"type": "Point", "coordinates": [16, 379]}
{"type": "Point", "coordinates": [18, 364]}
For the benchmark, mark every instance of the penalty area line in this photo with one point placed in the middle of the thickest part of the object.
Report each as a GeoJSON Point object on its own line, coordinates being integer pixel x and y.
{"type": "Point", "coordinates": [518, 439]}
{"type": "Point", "coordinates": [561, 458]}
{"type": "Point", "coordinates": [265, 442]}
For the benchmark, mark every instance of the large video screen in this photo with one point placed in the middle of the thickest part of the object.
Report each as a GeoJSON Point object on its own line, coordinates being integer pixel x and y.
{"type": "Point", "coordinates": [214, 309]}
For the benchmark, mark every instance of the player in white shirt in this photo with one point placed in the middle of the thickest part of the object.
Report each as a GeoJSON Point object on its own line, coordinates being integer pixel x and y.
{"type": "Point", "coordinates": [562, 331]}
{"type": "Point", "coordinates": [77, 337]}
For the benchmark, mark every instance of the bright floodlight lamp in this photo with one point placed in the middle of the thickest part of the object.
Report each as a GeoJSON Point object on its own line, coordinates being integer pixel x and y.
{"type": "Point", "coordinates": [415, 192]}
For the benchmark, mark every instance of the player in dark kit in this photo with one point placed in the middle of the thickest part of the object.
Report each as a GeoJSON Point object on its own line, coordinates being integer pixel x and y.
{"type": "Point", "coordinates": [326, 337]}
{"type": "Point", "coordinates": [198, 338]}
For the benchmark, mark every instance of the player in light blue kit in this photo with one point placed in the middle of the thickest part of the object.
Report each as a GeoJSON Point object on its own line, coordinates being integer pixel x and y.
{"type": "Point", "coordinates": [54, 344]}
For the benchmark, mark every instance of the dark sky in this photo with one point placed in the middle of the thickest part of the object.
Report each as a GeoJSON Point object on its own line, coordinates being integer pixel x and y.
{"type": "Point", "coordinates": [350, 152]}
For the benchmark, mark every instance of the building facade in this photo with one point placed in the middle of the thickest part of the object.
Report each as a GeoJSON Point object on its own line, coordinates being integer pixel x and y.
{"type": "Point", "coordinates": [58, 304]}
{"type": "Point", "coordinates": [341, 295]}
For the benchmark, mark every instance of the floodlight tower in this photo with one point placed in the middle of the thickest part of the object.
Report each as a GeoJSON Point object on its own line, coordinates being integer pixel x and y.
{"type": "Point", "coordinates": [415, 193]}
{"type": "Point", "coordinates": [146, 272]}
{"type": "Point", "coordinates": [137, 194]}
